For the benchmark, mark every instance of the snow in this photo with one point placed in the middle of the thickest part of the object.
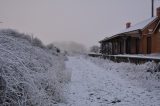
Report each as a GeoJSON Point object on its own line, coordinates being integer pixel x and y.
{"type": "Point", "coordinates": [29, 75]}
{"type": "Point", "coordinates": [139, 26]}
{"type": "Point", "coordinates": [33, 76]}
{"type": "Point", "coordinates": [141, 56]}
{"type": "Point", "coordinates": [97, 82]}
{"type": "Point", "coordinates": [153, 56]}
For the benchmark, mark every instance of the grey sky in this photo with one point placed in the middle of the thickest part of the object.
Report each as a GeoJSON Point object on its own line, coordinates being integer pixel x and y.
{"type": "Point", "coordinates": [83, 21]}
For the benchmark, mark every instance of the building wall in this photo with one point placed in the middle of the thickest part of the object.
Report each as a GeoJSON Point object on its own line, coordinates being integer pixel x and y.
{"type": "Point", "coordinates": [143, 43]}
{"type": "Point", "coordinates": [143, 40]}
{"type": "Point", "coordinates": [156, 41]}
{"type": "Point", "coordinates": [116, 46]}
{"type": "Point", "coordinates": [133, 46]}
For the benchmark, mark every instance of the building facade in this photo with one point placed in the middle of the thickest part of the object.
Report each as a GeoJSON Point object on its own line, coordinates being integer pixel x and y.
{"type": "Point", "coordinates": [142, 38]}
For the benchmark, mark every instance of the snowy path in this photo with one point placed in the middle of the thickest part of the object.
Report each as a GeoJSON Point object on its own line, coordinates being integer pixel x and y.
{"type": "Point", "coordinates": [93, 86]}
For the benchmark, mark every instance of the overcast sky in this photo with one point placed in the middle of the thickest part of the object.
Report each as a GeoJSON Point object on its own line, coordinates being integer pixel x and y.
{"type": "Point", "coordinates": [83, 21]}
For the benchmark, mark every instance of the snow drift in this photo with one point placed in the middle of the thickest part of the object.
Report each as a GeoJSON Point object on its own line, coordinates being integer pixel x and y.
{"type": "Point", "coordinates": [30, 73]}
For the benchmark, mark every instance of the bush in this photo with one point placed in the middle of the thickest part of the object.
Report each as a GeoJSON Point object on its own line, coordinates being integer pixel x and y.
{"type": "Point", "coordinates": [34, 41]}
{"type": "Point", "coordinates": [10, 32]}
{"type": "Point", "coordinates": [50, 46]}
{"type": "Point", "coordinates": [37, 42]}
{"type": "Point", "coordinates": [54, 50]}
{"type": "Point", "coordinates": [29, 75]}
{"type": "Point", "coordinates": [2, 89]}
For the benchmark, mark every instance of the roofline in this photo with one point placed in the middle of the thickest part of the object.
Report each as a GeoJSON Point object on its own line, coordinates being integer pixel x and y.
{"type": "Point", "coordinates": [150, 23]}
{"type": "Point", "coordinates": [156, 27]}
{"type": "Point", "coordinates": [144, 27]}
{"type": "Point", "coordinates": [120, 34]}
{"type": "Point", "coordinates": [130, 31]}
{"type": "Point", "coordinates": [103, 39]}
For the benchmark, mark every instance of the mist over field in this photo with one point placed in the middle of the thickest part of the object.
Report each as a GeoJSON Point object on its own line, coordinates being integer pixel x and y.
{"type": "Point", "coordinates": [71, 47]}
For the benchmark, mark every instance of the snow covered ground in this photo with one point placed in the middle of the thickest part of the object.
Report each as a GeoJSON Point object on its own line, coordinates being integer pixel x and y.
{"type": "Point", "coordinates": [95, 82]}
{"type": "Point", "coordinates": [148, 56]}
{"type": "Point", "coordinates": [32, 75]}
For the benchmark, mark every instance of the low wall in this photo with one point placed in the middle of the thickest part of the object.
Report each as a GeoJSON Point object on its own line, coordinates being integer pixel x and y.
{"type": "Point", "coordinates": [137, 59]}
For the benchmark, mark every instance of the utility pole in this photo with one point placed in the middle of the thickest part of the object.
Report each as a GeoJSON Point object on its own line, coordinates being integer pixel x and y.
{"type": "Point", "coordinates": [152, 8]}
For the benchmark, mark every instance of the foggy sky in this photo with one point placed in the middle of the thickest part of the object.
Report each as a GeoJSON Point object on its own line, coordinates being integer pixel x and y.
{"type": "Point", "coordinates": [83, 21]}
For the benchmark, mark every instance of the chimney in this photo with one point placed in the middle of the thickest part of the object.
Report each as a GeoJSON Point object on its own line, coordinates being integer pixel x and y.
{"type": "Point", "coordinates": [128, 25]}
{"type": "Point", "coordinates": [158, 12]}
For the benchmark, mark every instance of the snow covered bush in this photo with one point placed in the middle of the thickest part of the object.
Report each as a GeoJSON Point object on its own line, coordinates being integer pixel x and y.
{"type": "Point", "coordinates": [2, 89]}
{"type": "Point", "coordinates": [29, 75]}
{"type": "Point", "coordinates": [14, 33]}
{"type": "Point", "coordinates": [145, 75]}
{"type": "Point", "coordinates": [37, 42]}
{"type": "Point", "coordinates": [54, 50]}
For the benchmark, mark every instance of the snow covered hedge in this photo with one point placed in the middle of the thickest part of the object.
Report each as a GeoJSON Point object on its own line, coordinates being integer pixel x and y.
{"type": "Point", "coordinates": [30, 75]}
{"type": "Point", "coordinates": [145, 75]}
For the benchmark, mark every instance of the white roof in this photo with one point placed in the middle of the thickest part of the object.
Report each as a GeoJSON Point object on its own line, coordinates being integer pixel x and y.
{"type": "Point", "coordinates": [139, 26]}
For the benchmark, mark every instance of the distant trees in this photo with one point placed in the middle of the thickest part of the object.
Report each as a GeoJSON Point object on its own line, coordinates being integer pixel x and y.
{"type": "Point", "coordinates": [71, 47]}
{"type": "Point", "coordinates": [94, 49]}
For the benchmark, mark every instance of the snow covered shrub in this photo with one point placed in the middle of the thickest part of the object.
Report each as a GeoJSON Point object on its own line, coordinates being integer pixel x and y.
{"type": "Point", "coordinates": [31, 76]}
{"type": "Point", "coordinates": [13, 33]}
{"type": "Point", "coordinates": [37, 42]}
{"type": "Point", "coordinates": [10, 32]}
{"type": "Point", "coordinates": [2, 89]}
{"type": "Point", "coordinates": [150, 66]}
{"type": "Point", "coordinates": [26, 37]}
{"type": "Point", "coordinates": [154, 69]}
{"type": "Point", "coordinates": [54, 50]}
{"type": "Point", "coordinates": [145, 75]}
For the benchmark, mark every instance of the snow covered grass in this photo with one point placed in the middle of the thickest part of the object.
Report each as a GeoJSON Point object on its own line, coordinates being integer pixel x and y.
{"type": "Point", "coordinates": [30, 75]}
{"type": "Point", "coordinates": [143, 75]}
{"type": "Point", "coordinates": [98, 82]}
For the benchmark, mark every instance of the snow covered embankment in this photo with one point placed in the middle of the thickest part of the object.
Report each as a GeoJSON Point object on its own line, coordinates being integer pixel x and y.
{"type": "Point", "coordinates": [93, 85]}
{"type": "Point", "coordinates": [29, 75]}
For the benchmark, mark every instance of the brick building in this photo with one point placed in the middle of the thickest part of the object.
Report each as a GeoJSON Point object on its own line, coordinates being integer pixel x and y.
{"type": "Point", "coordinates": [142, 38]}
